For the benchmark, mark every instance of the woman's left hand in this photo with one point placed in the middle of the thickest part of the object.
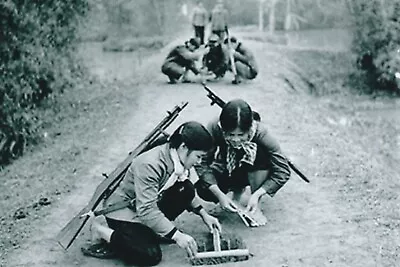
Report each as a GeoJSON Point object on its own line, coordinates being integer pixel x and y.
{"type": "Point", "coordinates": [252, 205]}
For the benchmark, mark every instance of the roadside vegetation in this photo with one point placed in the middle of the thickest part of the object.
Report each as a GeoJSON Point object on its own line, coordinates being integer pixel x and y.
{"type": "Point", "coordinates": [37, 63]}
{"type": "Point", "coordinates": [376, 43]}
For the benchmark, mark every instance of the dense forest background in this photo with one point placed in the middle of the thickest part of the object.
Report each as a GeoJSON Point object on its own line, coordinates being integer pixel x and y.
{"type": "Point", "coordinates": [39, 38]}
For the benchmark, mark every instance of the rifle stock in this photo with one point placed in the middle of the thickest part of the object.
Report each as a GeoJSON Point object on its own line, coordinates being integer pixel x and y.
{"type": "Point", "coordinates": [217, 100]}
{"type": "Point", "coordinates": [68, 234]}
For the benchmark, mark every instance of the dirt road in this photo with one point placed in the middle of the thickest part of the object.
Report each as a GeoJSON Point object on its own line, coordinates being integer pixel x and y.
{"type": "Point", "coordinates": [329, 222]}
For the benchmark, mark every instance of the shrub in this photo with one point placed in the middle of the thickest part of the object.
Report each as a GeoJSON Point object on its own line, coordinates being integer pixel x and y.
{"type": "Point", "coordinates": [36, 61]}
{"type": "Point", "coordinates": [377, 41]}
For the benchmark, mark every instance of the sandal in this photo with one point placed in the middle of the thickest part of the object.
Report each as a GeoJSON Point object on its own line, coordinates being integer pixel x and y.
{"type": "Point", "coordinates": [100, 250]}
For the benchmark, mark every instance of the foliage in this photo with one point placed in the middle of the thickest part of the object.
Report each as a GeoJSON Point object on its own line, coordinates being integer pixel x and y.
{"type": "Point", "coordinates": [36, 61]}
{"type": "Point", "coordinates": [138, 18]}
{"type": "Point", "coordinates": [376, 41]}
{"type": "Point", "coordinates": [303, 14]}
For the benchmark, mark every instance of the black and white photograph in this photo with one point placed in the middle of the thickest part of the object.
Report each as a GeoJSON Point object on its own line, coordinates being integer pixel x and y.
{"type": "Point", "coordinates": [200, 132]}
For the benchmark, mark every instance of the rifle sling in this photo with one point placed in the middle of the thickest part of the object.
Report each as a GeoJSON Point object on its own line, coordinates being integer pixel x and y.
{"type": "Point", "coordinates": [113, 207]}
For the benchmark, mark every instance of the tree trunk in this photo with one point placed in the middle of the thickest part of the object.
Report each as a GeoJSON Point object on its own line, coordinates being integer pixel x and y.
{"type": "Point", "coordinates": [159, 14]}
{"type": "Point", "coordinates": [272, 16]}
{"type": "Point", "coordinates": [288, 18]}
{"type": "Point", "coordinates": [261, 15]}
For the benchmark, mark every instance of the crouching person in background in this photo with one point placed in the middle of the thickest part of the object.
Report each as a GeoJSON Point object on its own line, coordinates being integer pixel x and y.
{"type": "Point", "coordinates": [245, 63]}
{"type": "Point", "coordinates": [159, 186]}
{"type": "Point", "coordinates": [181, 60]}
{"type": "Point", "coordinates": [216, 59]}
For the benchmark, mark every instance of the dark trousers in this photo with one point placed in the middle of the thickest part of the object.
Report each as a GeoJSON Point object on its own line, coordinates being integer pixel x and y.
{"type": "Point", "coordinates": [245, 71]}
{"type": "Point", "coordinates": [254, 175]}
{"type": "Point", "coordinates": [199, 33]}
{"type": "Point", "coordinates": [220, 33]}
{"type": "Point", "coordinates": [214, 60]}
{"type": "Point", "coordinates": [173, 70]}
{"type": "Point", "coordinates": [138, 244]}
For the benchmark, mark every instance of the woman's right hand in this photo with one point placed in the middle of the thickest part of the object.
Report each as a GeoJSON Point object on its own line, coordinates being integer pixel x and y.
{"type": "Point", "coordinates": [186, 242]}
{"type": "Point", "coordinates": [227, 204]}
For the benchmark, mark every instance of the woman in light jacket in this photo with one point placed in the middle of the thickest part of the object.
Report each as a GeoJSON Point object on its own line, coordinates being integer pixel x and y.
{"type": "Point", "coordinates": [159, 186]}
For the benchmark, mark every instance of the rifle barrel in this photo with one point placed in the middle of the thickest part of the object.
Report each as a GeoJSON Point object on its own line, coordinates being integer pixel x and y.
{"type": "Point", "coordinates": [296, 170]}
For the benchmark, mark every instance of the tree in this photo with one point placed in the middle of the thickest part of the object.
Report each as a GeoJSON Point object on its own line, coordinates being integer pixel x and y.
{"type": "Point", "coordinates": [292, 20]}
{"type": "Point", "coordinates": [261, 15]}
{"type": "Point", "coordinates": [376, 41]}
{"type": "Point", "coordinates": [272, 19]}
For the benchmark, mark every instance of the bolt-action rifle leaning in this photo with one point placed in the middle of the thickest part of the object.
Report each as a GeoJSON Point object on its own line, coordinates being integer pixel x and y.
{"type": "Point", "coordinates": [217, 100]}
{"type": "Point", "coordinates": [157, 136]}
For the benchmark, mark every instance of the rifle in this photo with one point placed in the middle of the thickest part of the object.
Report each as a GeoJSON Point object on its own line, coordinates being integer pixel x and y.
{"type": "Point", "coordinates": [231, 57]}
{"type": "Point", "coordinates": [221, 103]}
{"type": "Point", "coordinates": [71, 230]}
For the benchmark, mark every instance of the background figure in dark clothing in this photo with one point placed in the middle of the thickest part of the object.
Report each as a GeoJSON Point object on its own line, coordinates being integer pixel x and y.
{"type": "Point", "coordinates": [182, 59]}
{"type": "Point", "coordinates": [219, 20]}
{"type": "Point", "coordinates": [199, 21]}
{"type": "Point", "coordinates": [245, 62]}
{"type": "Point", "coordinates": [216, 60]}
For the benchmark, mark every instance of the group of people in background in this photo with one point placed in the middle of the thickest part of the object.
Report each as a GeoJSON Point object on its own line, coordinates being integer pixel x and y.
{"type": "Point", "coordinates": [221, 53]}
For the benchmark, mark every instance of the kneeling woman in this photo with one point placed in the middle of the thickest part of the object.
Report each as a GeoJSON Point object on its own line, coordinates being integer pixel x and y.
{"type": "Point", "coordinates": [245, 155]}
{"type": "Point", "coordinates": [159, 187]}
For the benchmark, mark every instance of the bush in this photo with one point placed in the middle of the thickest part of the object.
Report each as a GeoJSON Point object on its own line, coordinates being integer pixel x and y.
{"type": "Point", "coordinates": [36, 61]}
{"type": "Point", "coordinates": [377, 41]}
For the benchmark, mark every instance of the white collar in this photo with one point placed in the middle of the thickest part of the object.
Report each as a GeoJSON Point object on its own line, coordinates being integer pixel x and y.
{"type": "Point", "coordinates": [179, 174]}
{"type": "Point", "coordinates": [179, 169]}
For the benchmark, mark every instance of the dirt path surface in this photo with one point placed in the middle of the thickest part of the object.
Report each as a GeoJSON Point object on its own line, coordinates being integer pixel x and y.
{"type": "Point", "coordinates": [329, 222]}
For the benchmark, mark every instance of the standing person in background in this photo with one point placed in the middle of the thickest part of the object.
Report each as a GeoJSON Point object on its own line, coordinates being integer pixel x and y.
{"type": "Point", "coordinates": [219, 20]}
{"type": "Point", "coordinates": [199, 21]}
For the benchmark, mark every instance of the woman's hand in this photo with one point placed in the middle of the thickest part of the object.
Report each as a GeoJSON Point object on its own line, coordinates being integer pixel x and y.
{"type": "Point", "coordinates": [227, 204]}
{"type": "Point", "coordinates": [186, 242]}
{"type": "Point", "coordinates": [252, 204]}
{"type": "Point", "coordinates": [211, 222]}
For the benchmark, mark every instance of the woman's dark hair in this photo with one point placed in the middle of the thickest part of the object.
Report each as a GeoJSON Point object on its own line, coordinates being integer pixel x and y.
{"type": "Point", "coordinates": [194, 135]}
{"type": "Point", "coordinates": [236, 114]}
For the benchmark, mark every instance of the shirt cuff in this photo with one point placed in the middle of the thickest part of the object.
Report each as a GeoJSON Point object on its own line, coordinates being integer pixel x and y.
{"type": "Point", "coordinates": [197, 209]}
{"type": "Point", "coordinates": [271, 187]}
{"type": "Point", "coordinates": [171, 233]}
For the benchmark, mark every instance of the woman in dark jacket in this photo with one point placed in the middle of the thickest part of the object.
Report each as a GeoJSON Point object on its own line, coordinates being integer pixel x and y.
{"type": "Point", "coordinates": [245, 155]}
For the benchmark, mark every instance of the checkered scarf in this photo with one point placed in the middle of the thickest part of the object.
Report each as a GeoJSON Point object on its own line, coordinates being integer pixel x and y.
{"type": "Point", "coordinates": [245, 153]}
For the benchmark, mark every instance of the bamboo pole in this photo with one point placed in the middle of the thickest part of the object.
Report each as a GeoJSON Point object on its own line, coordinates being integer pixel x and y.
{"type": "Point", "coordinates": [222, 253]}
